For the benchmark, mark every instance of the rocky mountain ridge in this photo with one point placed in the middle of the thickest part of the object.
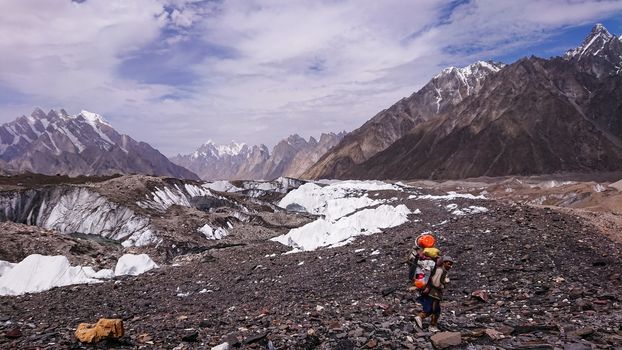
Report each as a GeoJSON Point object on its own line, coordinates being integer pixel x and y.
{"type": "Point", "coordinates": [525, 118]}
{"type": "Point", "coordinates": [535, 116]}
{"type": "Point", "coordinates": [81, 144]}
{"type": "Point", "coordinates": [235, 161]}
{"type": "Point", "coordinates": [445, 90]}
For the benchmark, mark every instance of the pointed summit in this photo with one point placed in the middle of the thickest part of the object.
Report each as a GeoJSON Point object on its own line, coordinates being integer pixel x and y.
{"type": "Point", "coordinates": [599, 29]}
{"type": "Point", "coordinates": [93, 118]}
{"type": "Point", "coordinates": [600, 54]}
{"type": "Point", "coordinates": [593, 44]}
{"type": "Point", "coordinates": [38, 113]}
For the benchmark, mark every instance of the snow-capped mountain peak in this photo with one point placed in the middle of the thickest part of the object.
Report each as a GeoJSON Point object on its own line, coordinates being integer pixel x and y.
{"type": "Point", "coordinates": [453, 84]}
{"type": "Point", "coordinates": [600, 54]}
{"type": "Point", "coordinates": [232, 149]}
{"type": "Point", "coordinates": [57, 132]}
{"type": "Point", "coordinates": [212, 150]}
{"type": "Point", "coordinates": [600, 29]}
{"type": "Point", "coordinates": [473, 69]}
{"type": "Point", "coordinates": [593, 44]}
{"type": "Point", "coordinates": [289, 157]}
{"type": "Point", "coordinates": [93, 118]}
{"type": "Point", "coordinates": [81, 144]}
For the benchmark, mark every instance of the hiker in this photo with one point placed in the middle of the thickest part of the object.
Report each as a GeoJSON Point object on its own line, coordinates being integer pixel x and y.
{"type": "Point", "coordinates": [432, 295]}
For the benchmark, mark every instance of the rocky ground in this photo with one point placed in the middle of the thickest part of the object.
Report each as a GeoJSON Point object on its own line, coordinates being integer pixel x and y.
{"type": "Point", "coordinates": [19, 241]}
{"type": "Point", "coordinates": [595, 197]}
{"type": "Point", "coordinates": [543, 279]}
{"type": "Point", "coordinates": [30, 180]}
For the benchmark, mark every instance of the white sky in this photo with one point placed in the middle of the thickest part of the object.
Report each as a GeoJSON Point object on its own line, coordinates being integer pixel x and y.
{"type": "Point", "coordinates": [176, 73]}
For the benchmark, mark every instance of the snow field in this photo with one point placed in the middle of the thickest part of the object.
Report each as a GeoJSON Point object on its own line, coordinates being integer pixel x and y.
{"type": "Point", "coordinates": [449, 196]}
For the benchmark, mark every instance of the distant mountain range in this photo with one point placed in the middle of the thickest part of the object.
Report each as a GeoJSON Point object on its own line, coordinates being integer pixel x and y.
{"type": "Point", "coordinates": [535, 116]}
{"type": "Point", "coordinates": [290, 157]}
{"type": "Point", "coordinates": [82, 144]}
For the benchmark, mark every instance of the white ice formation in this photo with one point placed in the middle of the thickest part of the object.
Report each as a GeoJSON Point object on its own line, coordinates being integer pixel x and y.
{"type": "Point", "coordinates": [347, 212]}
{"type": "Point", "coordinates": [37, 273]}
{"type": "Point", "coordinates": [130, 264]}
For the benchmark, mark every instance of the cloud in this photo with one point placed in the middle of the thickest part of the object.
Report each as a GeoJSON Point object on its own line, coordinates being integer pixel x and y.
{"type": "Point", "coordinates": [175, 73]}
{"type": "Point", "coordinates": [512, 24]}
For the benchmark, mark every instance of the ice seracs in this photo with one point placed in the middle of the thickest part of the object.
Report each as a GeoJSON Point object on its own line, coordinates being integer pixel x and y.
{"type": "Point", "coordinates": [37, 273]}
{"type": "Point", "coordinates": [164, 197]}
{"type": "Point", "coordinates": [78, 209]}
{"type": "Point", "coordinates": [326, 233]}
{"type": "Point", "coordinates": [130, 264]}
{"type": "Point", "coordinates": [335, 200]}
{"type": "Point", "coordinates": [213, 234]}
{"type": "Point", "coordinates": [346, 210]}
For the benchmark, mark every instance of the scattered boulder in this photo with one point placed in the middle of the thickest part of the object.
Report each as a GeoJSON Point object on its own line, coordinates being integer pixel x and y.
{"type": "Point", "coordinates": [255, 337]}
{"type": "Point", "coordinates": [446, 339]}
{"type": "Point", "coordinates": [13, 333]}
{"type": "Point", "coordinates": [480, 295]}
{"type": "Point", "coordinates": [372, 343]}
{"type": "Point", "coordinates": [192, 337]}
{"type": "Point", "coordinates": [577, 346]}
{"type": "Point", "coordinates": [494, 334]}
{"type": "Point", "coordinates": [223, 346]}
{"type": "Point", "coordinates": [103, 329]}
{"type": "Point", "coordinates": [582, 332]}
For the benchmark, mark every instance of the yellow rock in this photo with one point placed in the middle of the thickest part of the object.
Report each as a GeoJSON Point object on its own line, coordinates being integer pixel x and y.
{"type": "Point", "coordinates": [104, 329]}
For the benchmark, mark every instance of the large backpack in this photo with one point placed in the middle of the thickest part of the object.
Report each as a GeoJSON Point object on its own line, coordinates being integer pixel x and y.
{"type": "Point", "coordinates": [419, 269]}
{"type": "Point", "coordinates": [423, 272]}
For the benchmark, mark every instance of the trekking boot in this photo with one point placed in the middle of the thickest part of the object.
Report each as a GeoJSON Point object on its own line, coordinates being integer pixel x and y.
{"type": "Point", "coordinates": [419, 322]}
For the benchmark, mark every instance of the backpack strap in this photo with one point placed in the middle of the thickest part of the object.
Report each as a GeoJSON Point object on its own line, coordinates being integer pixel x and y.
{"type": "Point", "coordinates": [412, 268]}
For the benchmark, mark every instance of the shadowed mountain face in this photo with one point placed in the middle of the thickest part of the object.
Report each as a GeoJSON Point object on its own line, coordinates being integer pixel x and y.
{"type": "Point", "coordinates": [534, 116]}
{"type": "Point", "coordinates": [84, 144]}
{"type": "Point", "coordinates": [443, 92]}
{"type": "Point", "coordinates": [290, 157]}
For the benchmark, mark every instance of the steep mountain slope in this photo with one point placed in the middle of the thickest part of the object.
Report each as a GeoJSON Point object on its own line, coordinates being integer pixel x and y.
{"type": "Point", "coordinates": [290, 157]}
{"type": "Point", "coordinates": [82, 144]}
{"type": "Point", "coordinates": [444, 91]}
{"type": "Point", "coordinates": [535, 116]}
